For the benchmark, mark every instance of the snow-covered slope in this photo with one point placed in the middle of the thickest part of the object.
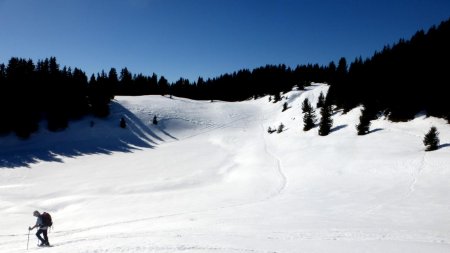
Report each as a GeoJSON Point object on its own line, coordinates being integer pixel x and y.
{"type": "Point", "coordinates": [209, 178]}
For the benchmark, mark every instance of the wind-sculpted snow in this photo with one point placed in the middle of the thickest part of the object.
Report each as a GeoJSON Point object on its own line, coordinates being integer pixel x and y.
{"type": "Point", "coordinates": [210, 178]}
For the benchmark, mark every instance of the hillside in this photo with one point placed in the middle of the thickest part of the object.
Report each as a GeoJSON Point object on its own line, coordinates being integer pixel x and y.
{"type": "Point", "coordinates": [209, 178]}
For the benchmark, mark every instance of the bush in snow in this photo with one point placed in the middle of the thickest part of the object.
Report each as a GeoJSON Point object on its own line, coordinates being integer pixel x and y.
{"type": "Point", "coordinates": [309, 117]}
{"type": "Point", "coordinates": [270, 130]}
{"type": "Point", "coordinates": [280, 128]}
{"type": "Point", "coordinates": [431, 139]}
{"type": "Point", "coordinates": [326, 122]}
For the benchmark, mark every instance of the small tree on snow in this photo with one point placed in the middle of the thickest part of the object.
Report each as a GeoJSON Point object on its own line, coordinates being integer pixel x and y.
{"type": "Point", "coordinates": [309, 117]}
{"type": "Point", "coordinates": [155, 120]}
{"type": "Point", "coordinates": [431, 139]}
{"type": "Point", "coordinates": [364, 122]}
{"type": "Point", "coordinates": [280, 128]}
{"type": "Point", "coordinates": [285, 106]}
{"type": "Point", "coordinates": [270, 130]}
{"type": "Point", "coordinates": [123, 123]}
{"type": "Point", "coordinates": [326, 122]}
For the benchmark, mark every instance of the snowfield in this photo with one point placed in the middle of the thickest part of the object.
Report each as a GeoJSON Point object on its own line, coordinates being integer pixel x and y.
{"type": "Point", "coordinates": [209, 178]}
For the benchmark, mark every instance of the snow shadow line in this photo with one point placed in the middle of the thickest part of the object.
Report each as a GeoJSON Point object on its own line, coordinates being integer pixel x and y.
{"type": "Point", "coordinates": [375, 130]}
{"type": "Point", "coordinates": [337, 128]}
{"type": "Point", "coordinates": [99, 136]}
{"type": "Point", "coordinates": [446, 145]}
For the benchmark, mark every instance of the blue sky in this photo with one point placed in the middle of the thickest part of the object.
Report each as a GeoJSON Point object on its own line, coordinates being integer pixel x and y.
{"type": "Point", "coordinates": [191, 38]}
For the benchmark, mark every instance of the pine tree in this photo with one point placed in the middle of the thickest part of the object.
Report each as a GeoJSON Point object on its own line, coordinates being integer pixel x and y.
{"type": "Point", "coordinates": [309, 117]}
{"type": "Point", "coordinates": [285, 106]}
{"type": "Point", "coordinates": [431, 139]}
{"type": "Point", "coordinates": [364, 122]}
{"type": "Point", "coordinates": [155, 120]}
{"type": "Point", "coordinates": [113, 82]}
{"type": "Point", "coordinates": [326, 122]}
{"type": "Point", "coordinates": [123, 123]}
{"type": "Point", "coordinates": [321, 101]}
{"type": "Point", "coordinates": [163, 86]}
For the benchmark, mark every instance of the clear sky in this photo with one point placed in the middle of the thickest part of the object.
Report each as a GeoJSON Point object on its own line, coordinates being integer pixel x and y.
{"type": "Point", "coordinates": [191, 38]}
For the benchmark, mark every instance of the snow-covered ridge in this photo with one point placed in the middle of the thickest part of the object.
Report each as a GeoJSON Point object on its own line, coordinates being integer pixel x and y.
{"type": "Point", "coordinates": [209, 178]}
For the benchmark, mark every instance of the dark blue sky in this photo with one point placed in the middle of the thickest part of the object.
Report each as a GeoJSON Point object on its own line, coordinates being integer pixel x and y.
{"type": "Point", "coordinates": [191, 38]}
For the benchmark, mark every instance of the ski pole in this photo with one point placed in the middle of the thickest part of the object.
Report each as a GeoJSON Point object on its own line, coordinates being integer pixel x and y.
{"type": "Point", "coordinates": [28, 241]}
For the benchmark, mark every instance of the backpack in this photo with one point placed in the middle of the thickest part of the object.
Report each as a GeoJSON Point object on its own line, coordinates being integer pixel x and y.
{"type": "Point", "coordinates": [47, 219]}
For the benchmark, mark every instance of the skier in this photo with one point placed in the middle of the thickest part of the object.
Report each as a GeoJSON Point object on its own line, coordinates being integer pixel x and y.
{"type": "Point", "coordinates": [42, 229]}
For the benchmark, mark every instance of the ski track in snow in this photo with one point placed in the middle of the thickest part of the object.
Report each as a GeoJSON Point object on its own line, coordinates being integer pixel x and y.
{"type": "Point", "coordinates": [415, 178]}
{"type": "Point", "coordinates": [280, 188]}
{"type": "Point", "coordinates": [279, 170]}
{"type": "Point", "coordinates": [417, 174]}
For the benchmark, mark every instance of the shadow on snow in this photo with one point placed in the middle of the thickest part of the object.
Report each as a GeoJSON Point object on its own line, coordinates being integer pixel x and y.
{"type": "Point", "coordinates": [375, 130]}
{"type": "Point", "coordinates": [337, 128]}
{"type": "Point", "coordinates": [84, 137]}
{"type": "Point", "coordinates": [446, 145]}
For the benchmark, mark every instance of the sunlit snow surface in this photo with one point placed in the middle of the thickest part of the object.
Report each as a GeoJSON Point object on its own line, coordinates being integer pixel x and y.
{"type": "Point", "coordinates": [209, 178]}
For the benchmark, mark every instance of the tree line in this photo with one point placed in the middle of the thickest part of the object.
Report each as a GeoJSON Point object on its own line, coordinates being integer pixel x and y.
{"type": "Point", "coordinates": [400, 81]}
{"type": "Point", "coordinates": [31, 92]}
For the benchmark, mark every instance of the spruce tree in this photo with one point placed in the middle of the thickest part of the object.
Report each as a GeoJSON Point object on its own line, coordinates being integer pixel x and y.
{"type": "Point", "coordinates": [364, 122]}
{"type": "Point", "coordinates": [155, 120]}
{"type": "Point", "coordinates": [113, 82]}
{"type": "Point", "coordinates": [431, 139]}
{"type": "Point", "coordinates": [285, 106]}
{"type": "Point", "coordinates": [309, 117]}
{"type": "Point", "coordinates": [326, 122]}
{"type": "Point", "coordinates": [163, 86]}
{"type": "Point", "coordinates": [123, 123]}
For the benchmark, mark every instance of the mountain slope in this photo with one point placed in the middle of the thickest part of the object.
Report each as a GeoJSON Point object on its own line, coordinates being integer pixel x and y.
{"type": "Point", "coordinates": [209, 178]}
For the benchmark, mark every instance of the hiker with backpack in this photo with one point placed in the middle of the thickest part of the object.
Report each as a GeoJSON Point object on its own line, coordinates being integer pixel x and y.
{"type": "Point", "coordinates": [43, 222]}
